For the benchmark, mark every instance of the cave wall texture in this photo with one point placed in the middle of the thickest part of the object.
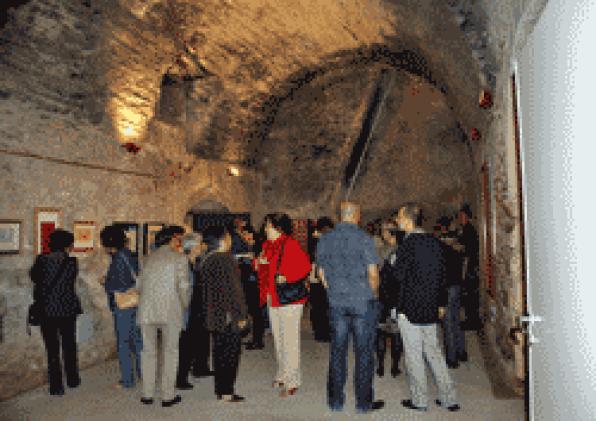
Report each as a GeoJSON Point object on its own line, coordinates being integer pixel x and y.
{"type": "Point", "coordinates": [277, 88]}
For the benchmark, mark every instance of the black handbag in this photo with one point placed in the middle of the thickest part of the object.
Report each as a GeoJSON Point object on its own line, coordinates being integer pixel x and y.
{"type": "Point", "coordinates": [35, 313]}
{"type": "Point", "coordinates": [289, 292]}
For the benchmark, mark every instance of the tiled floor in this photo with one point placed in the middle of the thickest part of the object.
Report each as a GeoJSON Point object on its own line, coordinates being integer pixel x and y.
{"type": "Point", "coordinates": [96, 399]}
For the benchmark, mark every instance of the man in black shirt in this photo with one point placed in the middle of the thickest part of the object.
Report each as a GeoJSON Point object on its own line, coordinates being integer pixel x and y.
{"type": "Point", "coordinates": [420, 272]}
{"type": "Point", "coordinates": [471, 286]}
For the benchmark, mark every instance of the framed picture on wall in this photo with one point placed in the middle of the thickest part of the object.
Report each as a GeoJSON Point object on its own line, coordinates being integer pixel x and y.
{"type": "Point", "coordinates": [46, 221]}
{"type": "Point", "coordinates": [84, 236]}
{"type": "Point", "coordinates": [131, 230]}
{"type": "Point", "coordinates": [10, 236]}
{"type": "Point", "coordinates": [149, 231]}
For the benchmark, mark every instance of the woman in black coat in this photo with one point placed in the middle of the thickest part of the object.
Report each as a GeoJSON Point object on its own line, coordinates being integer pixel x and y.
{"type": "Point", "coordinates": [57, 304]}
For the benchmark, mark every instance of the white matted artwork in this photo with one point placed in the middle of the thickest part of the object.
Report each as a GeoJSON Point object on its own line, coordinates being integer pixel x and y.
{"type": "Point", "coordinates": [10, 236]}
{"type": "Point", "coordinates": [84, 236]}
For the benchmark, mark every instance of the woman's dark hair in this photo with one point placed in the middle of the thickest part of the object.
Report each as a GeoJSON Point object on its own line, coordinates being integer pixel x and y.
{"type": "Point", "coordinates": [60, 240]}
{"type": "Point", "coordinates": [113, 236]}
{"type": "Point", "coordinates": [467, 210]}
{"type": "Point", "coordinates": [213, 235]}
{"type": "Point", "coordinates": [281, 222]}
{"type": "Point", "coordinates": [324, 222]}
{"type": "Point", "coordinates": [165, 235]}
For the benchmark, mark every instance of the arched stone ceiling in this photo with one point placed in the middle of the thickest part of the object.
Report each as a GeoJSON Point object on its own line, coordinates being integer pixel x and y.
{"type": "Point", "coordinates": [104, 61]}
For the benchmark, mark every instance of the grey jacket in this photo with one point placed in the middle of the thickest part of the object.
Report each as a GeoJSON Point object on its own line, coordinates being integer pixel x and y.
{"type": "Point", "coordinates": [164, 288]}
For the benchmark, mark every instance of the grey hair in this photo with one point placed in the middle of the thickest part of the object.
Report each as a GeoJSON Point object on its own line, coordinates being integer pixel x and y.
{"type": "Point", "coordinates": [190, 241]}
{"type": "Point", "coordinates": [348, 210]}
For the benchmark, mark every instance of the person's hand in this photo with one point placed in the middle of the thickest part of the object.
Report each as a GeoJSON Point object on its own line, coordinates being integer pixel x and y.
{"type": "Point", "coordinates": [242, 323]}
{"type": "Point", "coordinates": [263, 260]}
{"type": "Point", "coordinates": [280, 279]}
{"type": "Point", "coordinates": [102, 280]}
{"type": "Point", "coordinates": [441, 312]}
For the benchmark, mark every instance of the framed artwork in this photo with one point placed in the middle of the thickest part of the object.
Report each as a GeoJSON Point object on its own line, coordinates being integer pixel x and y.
{"type": "Point", "coordinates": [46, 221]}
{"type": "Point", "coordinates": [131, 230]}
{"type": "Point", "coordinates": [149, 231]}
{"type": "Point", "coordinates": [10, 236]}
{"type": "Point", "coordinates": [488, 228]}
{"type": "Point", "coordinates": [84, 236]}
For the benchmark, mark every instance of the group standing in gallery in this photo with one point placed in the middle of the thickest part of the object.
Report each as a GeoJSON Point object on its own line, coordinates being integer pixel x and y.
{"type": "Point", "coordinates": [205, 291]}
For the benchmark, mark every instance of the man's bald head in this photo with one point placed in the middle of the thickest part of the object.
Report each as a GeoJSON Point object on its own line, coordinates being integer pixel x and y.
{"type": "Point", "coordinates": [350, 212]}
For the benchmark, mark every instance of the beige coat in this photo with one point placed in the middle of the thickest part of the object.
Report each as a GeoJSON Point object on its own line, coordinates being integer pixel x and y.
{"type": "Point", "coordinates": [164, 288]}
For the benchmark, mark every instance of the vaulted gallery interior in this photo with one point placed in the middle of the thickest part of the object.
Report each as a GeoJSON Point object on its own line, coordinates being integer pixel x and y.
{"type": "Point", "coordinates": [141, 111]}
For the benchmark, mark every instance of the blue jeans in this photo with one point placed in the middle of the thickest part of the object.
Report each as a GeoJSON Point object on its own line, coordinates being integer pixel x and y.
{"type": "Point", "coordinates": [362, 323]}
{"type": "Point", "coordinates": [455, 342]}
{"type": "Point", "coordinates": [129, 341]}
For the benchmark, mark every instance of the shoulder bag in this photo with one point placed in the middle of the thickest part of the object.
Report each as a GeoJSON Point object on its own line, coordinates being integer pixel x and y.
{"type": "Point", "coordinates": [289, 292]}
{"type": "Point", "coordinates": [129, 298]}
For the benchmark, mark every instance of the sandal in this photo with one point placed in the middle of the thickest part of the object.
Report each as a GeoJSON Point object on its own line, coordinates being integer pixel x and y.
{"type": "Point", "coordinates": [288, 392]}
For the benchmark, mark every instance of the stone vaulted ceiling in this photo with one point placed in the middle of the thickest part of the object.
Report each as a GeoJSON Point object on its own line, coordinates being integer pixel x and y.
{"type": "Point", "coordinates": [220, 70]}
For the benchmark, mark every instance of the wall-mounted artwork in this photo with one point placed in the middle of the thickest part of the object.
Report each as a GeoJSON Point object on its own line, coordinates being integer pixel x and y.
{"type": "Point", "coordinates": [149, 231]}
{"type": "Point", "coordinates": [10, 236]}
{"type": "Point", "coordinates": [84, 236]}
{"type": "Point", "coordinates": [131, 230]}
{"type": "Point", "coordinates": [46, 221]}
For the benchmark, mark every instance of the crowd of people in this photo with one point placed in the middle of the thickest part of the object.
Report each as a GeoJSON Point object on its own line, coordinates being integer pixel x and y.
{"type": "Point", "coordinates": [201, 293]}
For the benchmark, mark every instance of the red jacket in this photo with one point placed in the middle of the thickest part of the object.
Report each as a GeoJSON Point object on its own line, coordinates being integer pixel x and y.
{"type": "Point", "coordinates": [294, 265]}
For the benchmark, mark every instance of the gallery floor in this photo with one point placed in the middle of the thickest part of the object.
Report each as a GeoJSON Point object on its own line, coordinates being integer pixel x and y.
{"type": "Point", "coordinates": [97, 399]}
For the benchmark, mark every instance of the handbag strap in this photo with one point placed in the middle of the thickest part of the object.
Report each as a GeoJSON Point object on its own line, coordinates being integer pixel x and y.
{"type": "Point", "coordinates": [281, 252]}
{"type": "Point", "coordinates": [132, 271]}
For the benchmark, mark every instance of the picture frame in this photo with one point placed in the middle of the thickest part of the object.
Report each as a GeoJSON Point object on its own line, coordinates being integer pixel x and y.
{"type": "Point", "coordinates": [11, 236]}
{"type": "Point", "coordinates": [84, 236]}
{"type": "Point", "coordinates": [131, 230]}
{"type": "Point", "coordinates": [46, 221]}
{"type": "Point", "coordinates": [150, 229]}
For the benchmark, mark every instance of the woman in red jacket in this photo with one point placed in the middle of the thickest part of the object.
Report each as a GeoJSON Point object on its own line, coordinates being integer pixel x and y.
{"type": "Point", "coordinates": [292, 265]}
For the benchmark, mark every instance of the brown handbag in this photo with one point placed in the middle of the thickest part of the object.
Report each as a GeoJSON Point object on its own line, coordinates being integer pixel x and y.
{"type": "Point", "coordinates": [130, 297]}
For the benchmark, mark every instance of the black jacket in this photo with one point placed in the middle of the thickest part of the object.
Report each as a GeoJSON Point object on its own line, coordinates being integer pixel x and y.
{"type": "Point", "coordinates": [56, 296]}
{"type": "Point", "coordinates": [420, 272]}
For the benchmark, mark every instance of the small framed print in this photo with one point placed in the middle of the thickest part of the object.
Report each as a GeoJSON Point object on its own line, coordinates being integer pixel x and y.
{"type": "Point", "coordinates": [10, 236]}
{"type": "Point", "coordinates": [84, 236]}
{"type": "Point", "coordinates": [46, 221]}
{"type": "Point", "coordinates": [149, 231]}
{"type": "Point", "coordinates": [131, 230]}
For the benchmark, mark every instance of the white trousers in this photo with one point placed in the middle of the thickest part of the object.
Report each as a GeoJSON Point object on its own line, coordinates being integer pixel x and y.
{"type": "Point", "coordinates": [285, 327]}
{"type": "Point", "coordinates": [170, 336]}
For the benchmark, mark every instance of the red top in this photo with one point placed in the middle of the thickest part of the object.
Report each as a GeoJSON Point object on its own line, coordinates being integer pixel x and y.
{"type": "Point", "coordinates": [294, 265]}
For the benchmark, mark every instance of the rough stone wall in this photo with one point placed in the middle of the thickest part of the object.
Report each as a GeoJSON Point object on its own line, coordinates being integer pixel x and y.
{"type": "Point", "coordinates": [508, 25]}
{"type": "Point", "coordinates": [52, 160]}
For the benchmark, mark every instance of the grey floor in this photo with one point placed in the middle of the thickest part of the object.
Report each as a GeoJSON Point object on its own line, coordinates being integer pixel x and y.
{"type": "Point", "coordinates": [96, 399]}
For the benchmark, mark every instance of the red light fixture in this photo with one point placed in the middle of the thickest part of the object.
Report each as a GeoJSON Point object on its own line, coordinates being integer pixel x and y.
{"type": "Point", "coordinates": [475, 134]}
{"type": "Point", "coordinates": [131, 147]}
{"type": "Point", "coordinates": [485, 100]}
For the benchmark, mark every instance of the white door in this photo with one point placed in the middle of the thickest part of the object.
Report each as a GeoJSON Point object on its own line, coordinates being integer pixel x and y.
{"type": "Point", "coordinates": [556, 73]}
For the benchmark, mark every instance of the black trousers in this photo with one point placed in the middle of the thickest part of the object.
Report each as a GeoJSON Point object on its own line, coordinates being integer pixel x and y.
{"type": "Point", "coordinates": [251, 291]}
{"type": "Point", "coordinates": [471, 298]}
{"type": "Point", "coordinates": [226, 359]}
{"type": "Point", "coordinates": [397, 348]}
{"type": "Point", "coordinates": [319, 311]}
{"type": "Point", "coordinates": [194, 350]}
{"type": "Point", "coordinates": [57, 332]}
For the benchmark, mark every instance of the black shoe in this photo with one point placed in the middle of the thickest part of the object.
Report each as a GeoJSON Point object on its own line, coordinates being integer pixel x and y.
{"type": "Point", "coordinates": [75, 384]}
{"type": "Point", "coordinates": [395, 371]}
{"type": "Point", "coordinates": [407, 403]}
{"type": "Point", "coordinates": [452, 364]}
{"type": "Point", "coordinates": [251, 346]}
{"type": "Point", "coordinates": [57, 392]}
{"type": "Point", "coordinates": [234, 398]}
{"type": "Point", "coordinates": [377, 405]}
{"type": "Point", "coordinates": [452, 408]}
{"type": "Point", "coordinates": [147, 401]}
{"type": "Point", "coordinates": [172, 402]}
{"type": "Point", "coordinates": [380, 371]}
{"type": "Point", "coordinates": [463, 357]}
{"type": "Point", "coordinates": [184, 386]}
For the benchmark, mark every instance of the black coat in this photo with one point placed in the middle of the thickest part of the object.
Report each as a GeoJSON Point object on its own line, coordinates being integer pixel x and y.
{"type": "Point", "coordinates": [420, 270]}
{"type": "Point", "coordinates": [56, 296]}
